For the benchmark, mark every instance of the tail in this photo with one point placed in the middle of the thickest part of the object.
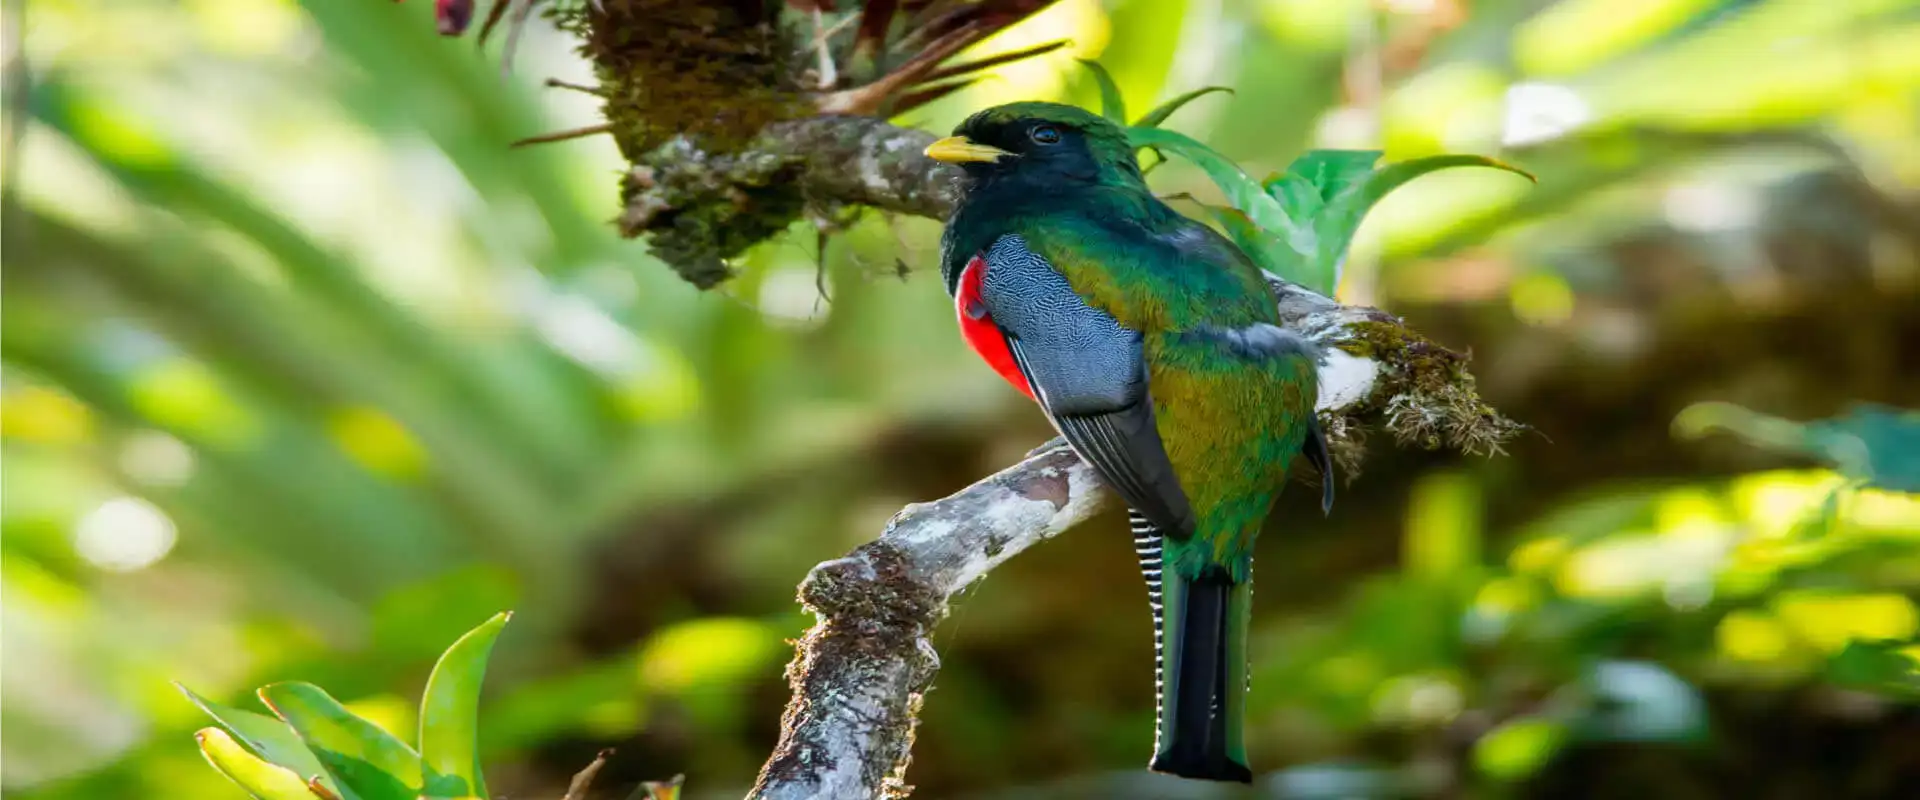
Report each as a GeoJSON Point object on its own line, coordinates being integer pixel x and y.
{"type": "Point", "coordinates": [1203, 623]}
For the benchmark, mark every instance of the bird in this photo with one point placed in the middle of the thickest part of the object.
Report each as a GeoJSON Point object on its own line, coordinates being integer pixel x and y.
{"type": "Point", "coordinates": [1154, 346]}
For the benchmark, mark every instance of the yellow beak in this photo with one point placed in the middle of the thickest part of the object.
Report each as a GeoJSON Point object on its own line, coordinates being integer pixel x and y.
{"type": "Point", "coordinates": [960, 150]}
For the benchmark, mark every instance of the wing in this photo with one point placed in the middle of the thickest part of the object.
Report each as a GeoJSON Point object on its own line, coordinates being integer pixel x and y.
{"type": "Point", "coordinates": [1089, 375]}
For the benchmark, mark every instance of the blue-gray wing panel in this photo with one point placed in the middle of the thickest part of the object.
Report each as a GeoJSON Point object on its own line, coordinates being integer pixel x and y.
{"type": "Point", "coordinates": [1089, 374]}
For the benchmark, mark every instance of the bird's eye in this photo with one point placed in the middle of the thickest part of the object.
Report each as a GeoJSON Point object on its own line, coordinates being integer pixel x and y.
{"type": "Point", "coordinates": [1045, 134]}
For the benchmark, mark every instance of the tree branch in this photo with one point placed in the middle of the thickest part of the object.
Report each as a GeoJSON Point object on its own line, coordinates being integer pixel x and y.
{"type": "Point", "coordinates": [860, 673]}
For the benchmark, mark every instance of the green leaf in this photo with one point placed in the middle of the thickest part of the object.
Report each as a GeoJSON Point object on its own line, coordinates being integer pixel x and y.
{"type": "Point", "coordinates": [1112, 105]}
{"type": "Point", "coordinates": [1336, 225]}
{"type": "Point", "coordinates": [1248, 236]}
{"type": "Point", "coordinates": [1242, 192]}
{"type": "Point", "coordinates": [270, 738]}
{"type": "Point", "coordinates": [1887, 668]}
{"type": "Point", "coordinates": [1267, 251]}
{"type": "Point", "coordinates": [1518, 748]}
{"type": "Point", "coordinates": [1876, 445]}
{"type": "Point", "coordinates": [449, 714]}
{"type": "Point", "coordinates": [366, 758]}
{"type": "Point", "coordinates": [1331, 172]}
{"type": "Point", "coordinates": [1160, 114]}
{"type": "Point", "coordinates": [1297, 196]}
{"type": "Point", "coordinates": [261, 779]}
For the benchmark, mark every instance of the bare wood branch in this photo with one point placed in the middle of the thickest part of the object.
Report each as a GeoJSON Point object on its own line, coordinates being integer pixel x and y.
{"type": "Point", "coordinates": [861, 671]}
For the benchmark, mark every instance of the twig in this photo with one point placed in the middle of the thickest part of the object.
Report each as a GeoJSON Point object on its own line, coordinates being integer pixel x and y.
{"type": "Point", "coordinates": [556, 83]}
{"type": "Point", "coordinates": [561, 136]}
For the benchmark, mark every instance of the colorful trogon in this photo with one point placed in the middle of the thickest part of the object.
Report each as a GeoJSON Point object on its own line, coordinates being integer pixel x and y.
{"type": "Point", "coordinates": [1153, 345]}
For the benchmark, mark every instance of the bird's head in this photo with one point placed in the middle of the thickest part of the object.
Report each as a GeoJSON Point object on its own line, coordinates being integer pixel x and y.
{"type": "Point", "coordinates": [1042, 143]}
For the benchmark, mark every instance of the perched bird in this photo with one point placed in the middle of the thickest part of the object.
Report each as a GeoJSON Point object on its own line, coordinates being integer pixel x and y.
{"type": "Point", "coordinates": [1152, 344]}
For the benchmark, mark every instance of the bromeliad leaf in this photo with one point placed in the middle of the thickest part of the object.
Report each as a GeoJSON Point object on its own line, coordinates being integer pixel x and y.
{"type": "Point", "coordinates": [1337, 223]}
{"type": "Point", "coordinates": [270, 738]}
{"type": "Point", "coordinates": [1332, 172]}
{"type": "Point", "coordinates": [261, 779]}
{"type": "Point", "coordinates": [1242, 191]}
{"type": "Point", "coordinates": [365, 757]}
{"type": "Point", "coordinates": [449, 714]}
{"type": "Point", "coordinates": [1297, 196]}
{"type": "Point", "coordinates": [1160, 114]}
{"type": "Point", "coordinates": [1268, 251]}
{"type": "Point", "coordinates": [1112, 106]}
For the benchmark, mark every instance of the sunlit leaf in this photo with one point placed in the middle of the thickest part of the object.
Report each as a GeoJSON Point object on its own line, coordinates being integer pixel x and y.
{"type": "Point", "coordinates": [366, 758]}
{"type": "Point", "coordinates": [1112, 105]}
{"type": "Point", "coordinates": [1160, 114]}
{"type": "Point", "coordinates": [1337, 224]}
{"type": "Point", "coordinates": [1331, 172]}
{"type": "Point", "coordinates": [1242, 192]}
{"type": "Point", "coordinates": [270, 738]}
{"type": "Point", "coordinates": [1297, 196]}
{"type": "Point", "coordinates": [1518, 748]}
{"type": "Point", "coordinates": [261, 779]}
{"type": "Point", "coordinates": [449, 714]}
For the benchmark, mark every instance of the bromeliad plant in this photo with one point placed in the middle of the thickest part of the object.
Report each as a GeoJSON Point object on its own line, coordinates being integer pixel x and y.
{"type": "Point", "coordinates": [314, 748]}
{"type": "Point", "coordinates": [1295, 224]}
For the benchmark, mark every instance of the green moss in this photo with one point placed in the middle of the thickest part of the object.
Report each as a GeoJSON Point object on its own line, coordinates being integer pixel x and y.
{"type": "Point", "coordinates": [1420, 361]}
{"type": "Point", "coordinates": [715, 72]}
{"type": "Point", "coordinates": [1430, 397]}
{"type": "Point", "coordinates": [688, 84]}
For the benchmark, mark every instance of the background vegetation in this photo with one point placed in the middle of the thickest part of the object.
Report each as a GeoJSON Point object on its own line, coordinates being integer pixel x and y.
{"type": "Point", "coordinates": [305, 373]}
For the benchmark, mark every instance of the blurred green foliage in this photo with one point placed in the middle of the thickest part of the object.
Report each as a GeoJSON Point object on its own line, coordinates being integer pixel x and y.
{"type": "Point", "coordinates": [317, 748]}
{"type": "Point", "coordinates": [302, 371]}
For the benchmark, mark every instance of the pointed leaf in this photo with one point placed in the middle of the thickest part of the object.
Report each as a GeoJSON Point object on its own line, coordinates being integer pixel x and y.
{"type": "Point", "coordinates": [262, 780]}
{"type": "Point", "coordinates": [1264, 248]}
{"type": "Point", "coordinates": [1336, 225]}
{"type": "Point", "coordinates": [367, 759]}
{"type": "Point", "coordinates": [1259, 245]}
{"type": "Point", "coordinates": [270, 738]}
{"type": "Point", "coordinates": [1297, 196]}
{"type": "Point", "coordinates": [1332, 172]}
{"type": "Point", "coordinates": [1242, 192]}
{"type": "Point", "coordinates": [1112, 106]}
{"type": "Point", "coordinates": [1160, 114]}
{"type": "Point", "coordinates": [449, 714]}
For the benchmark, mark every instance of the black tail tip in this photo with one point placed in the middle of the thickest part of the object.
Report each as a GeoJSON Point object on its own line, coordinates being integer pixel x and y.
{"type": "Point", "coordinates": [1186, 765]}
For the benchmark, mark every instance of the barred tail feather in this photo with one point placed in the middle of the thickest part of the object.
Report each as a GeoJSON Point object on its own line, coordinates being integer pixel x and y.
{"type": "Point", "coordinates": [1202, 689]}
{"type": "Point", "coordinates": [1147, 545]}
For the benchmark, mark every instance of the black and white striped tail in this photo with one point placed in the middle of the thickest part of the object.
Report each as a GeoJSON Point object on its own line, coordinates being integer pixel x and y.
{"type": "Point", "coordinates": [1148, 546]}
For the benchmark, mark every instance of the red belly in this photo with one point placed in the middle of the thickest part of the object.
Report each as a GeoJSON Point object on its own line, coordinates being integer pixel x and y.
{"type": "Point", "coordinates": [977, 327]}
